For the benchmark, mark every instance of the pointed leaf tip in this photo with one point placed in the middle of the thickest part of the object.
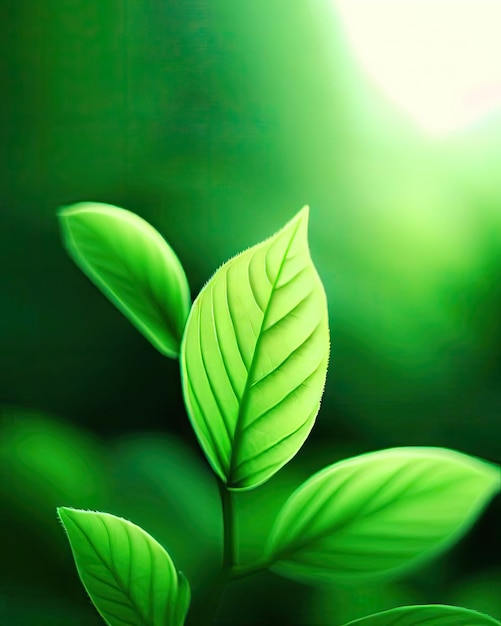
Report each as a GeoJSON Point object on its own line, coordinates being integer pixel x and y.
{"type": "Point", "coordinates": [128, 575]}
{"type": "Point", "coordinates": [254, 357]}
{"type": "Point", "coordinates": [304, 213]}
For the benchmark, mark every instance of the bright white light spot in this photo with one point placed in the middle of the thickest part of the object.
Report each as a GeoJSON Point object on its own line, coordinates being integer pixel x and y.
{"type": "Point", "coordinates": [439, 60]}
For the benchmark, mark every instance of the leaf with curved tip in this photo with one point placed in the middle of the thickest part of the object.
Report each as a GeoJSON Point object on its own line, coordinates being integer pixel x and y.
{"type": "Point", "coordinates": [133, 266]}
{"type": "Point", "coordinates": [379, 513]}
{"type": "Point", "coordinates": [426, 615]}
{"type": "Point", "coordinates": [129, 577]}
{"type": "Point", "coordinates": [254, 357]}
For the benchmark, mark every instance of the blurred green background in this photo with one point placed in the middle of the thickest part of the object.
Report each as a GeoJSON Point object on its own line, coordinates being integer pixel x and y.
{"type": "Point", "coordinates": [217, 121]}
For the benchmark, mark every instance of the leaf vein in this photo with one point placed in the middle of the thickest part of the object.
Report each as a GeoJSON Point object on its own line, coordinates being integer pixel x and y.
{"type": "Point", "coordinates": [284, 399]}
{"type": "Point", "coordinates": [217, 400]}
{"type": "Point", "coordinates": [211, 437]}
{"type": "Point", "coordinates": [218, 344]}
{"type": "Point", "coordinates": [237, 341]}
{"type": "Point", "coordinates": [126, 605]}
{"type": "Point", "coordinates": [289, 313]}
{"type": "Point", "coordinates": [289, 356]}
{"type": "Point", "coordinates": [270, 447]}
{"type": "Point", "coordinates": [252, 286]}
{"type": "Point", "coordinates": [245, 396]}
{"type": "Point", "coordinates": [120, 619]}
{"type": "Point", "coordinates": [292, 278]}
{"type": "Point", "coordinates": [114, 574]}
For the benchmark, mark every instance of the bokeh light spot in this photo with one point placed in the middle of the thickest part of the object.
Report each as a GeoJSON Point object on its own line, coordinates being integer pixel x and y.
{"type": "Point", "coordinates": [439, 61]}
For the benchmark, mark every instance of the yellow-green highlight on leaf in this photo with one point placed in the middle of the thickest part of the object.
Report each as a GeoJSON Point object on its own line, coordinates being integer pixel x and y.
{"type": "Point", "coordinates": [426, 615]}
{"type": "Point", "coordinates": [133, 266]}
{"type": "Point", "coordinates": [129, 577]}
{"type": "Point", "coordinates": [254, 357]}
{"type": "Point", "coordinates": [379, 514]}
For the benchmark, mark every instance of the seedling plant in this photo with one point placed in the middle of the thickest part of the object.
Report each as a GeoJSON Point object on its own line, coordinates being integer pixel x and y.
{"type": "Point", "coordinates": [253, 351]}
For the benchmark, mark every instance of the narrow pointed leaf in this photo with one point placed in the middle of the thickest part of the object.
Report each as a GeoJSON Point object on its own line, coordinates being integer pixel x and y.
{"type": "Point", "coordinates": [426, 615]}
{"type": "Point", "coordinates": [133, 266]}
{"type": "Point", "coordinates": [129, 577]}
{"type": "Point", "coordinates": [379, 513]}
{"type": "Point", "coordinates": [254, 357]}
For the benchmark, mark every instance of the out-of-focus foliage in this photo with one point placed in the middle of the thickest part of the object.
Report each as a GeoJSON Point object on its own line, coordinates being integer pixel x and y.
{"type": "Point", "coordinates": [44, 462]}
{"type": "Point", "coordinates": [163, 486]}
{"type": "Point", "coordinates": [431, 614]}
{"type": "Point", "coordinates": [215, 120]}
{"type": "Point", "coordinates": [479, 591]}
{"type": "Point", "coordinates": [338, 604]}
{"type": "Point", "coordinates": [134, 266]}
{"type": "Point", "coordinates": [378, 514]}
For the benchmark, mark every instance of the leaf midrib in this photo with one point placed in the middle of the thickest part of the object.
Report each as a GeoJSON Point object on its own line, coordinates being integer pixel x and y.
{"type": "Point", "coordinates": [237, 438]}
{"type": "Point", "coordinates": [300, 543]}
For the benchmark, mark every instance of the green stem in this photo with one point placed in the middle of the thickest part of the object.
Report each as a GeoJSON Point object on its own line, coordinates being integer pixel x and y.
{"type": "Point", "coordinates": [243, 571]}
{"type": "Point", "coordinates": [229, 528]}
{"type": "Point", "coordinates": [231, 570]}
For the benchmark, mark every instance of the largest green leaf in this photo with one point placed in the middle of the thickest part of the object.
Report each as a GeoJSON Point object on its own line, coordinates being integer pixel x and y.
{"type": "Point", "coordinates": [129, 577]}
{"type": "Point", "coordinates": [133, 266]}
{"type": "Point", "coordinates": [426, 615]}
{"type": "Point", "coordinates": [379, 513]}
{"type": "Point", "coordinates": [254, 357]}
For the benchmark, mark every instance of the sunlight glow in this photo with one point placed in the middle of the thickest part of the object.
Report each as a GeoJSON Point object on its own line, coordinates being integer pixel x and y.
{"type": "Point", "coordinates": [438, 60]}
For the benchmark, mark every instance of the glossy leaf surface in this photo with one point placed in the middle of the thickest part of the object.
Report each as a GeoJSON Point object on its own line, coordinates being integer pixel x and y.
{"type": "Point", "coordinates": [254, 357]}
{"type": "Point", "coordinates": [133, 266]}
{"type": "Point", "coordinates": [426, 615]}
{"type": "Point", "coordinates": [129, 577]}
{"type": "Point", "coordinates": [379, 513]}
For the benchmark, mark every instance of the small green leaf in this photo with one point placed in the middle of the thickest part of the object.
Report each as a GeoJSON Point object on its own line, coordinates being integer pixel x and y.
{"type": "Point", "coordinates": [254, 357]}
{"type": "Point", "coordinates": [426, 615]}
{"type": "Point", "coordinates": [379, 513]}
{"type": "Point", "coordinates": [133, 266]}
{"type": "Point", "coordinates": [129, 577]}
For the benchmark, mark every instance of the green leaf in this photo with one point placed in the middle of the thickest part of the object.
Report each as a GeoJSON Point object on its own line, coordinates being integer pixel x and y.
{"type": "Point", "coordinates": [129, 577]}
{"type": "Point", "coordinates": [426, 615]}
{"type": "Point", "coordinates": [254, 357]}
{"type": "Point", "coordinates": [183, 600]}
{"type": "Point", "coordinates": [379, 513]}
{"type": "Point", "coordinates": [133, 266]}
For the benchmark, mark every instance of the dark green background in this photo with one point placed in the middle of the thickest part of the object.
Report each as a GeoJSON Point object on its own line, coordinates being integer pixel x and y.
{"type": "Point", "coordinates": [217, 121]}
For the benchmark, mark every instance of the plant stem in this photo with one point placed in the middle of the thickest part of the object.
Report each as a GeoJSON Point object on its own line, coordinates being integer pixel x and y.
{"type": "Point", "coordinates": [238, 572]}
{"type": "Point", "coordinates": [231, 570]}
{"type": "Point", "coordinates": [229, 528]}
